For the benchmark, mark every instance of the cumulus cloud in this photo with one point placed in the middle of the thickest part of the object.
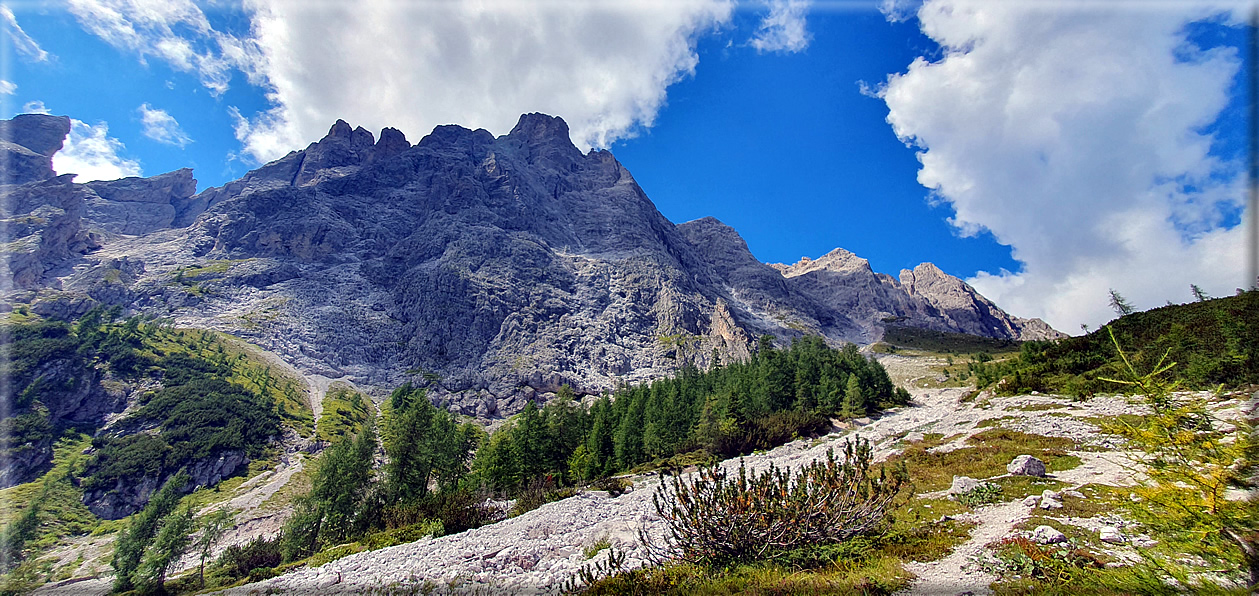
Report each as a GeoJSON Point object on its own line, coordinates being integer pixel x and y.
{"type": "Point", "coordinates": [1075, 134]}
{"type": "Point", "coordinates": [162, 127]}
{"type": "Point", "coordinates": [35, 107]}
{"type": "Point", "coordinates": [7, 87]}
{"type": "Point", "coordinates": [92, 154]}
{"type": "Point", "coordinates": [783, 29]}
{"type": "Point", "coordinates": [603, 66]}
{"type": "Point", "coordinates": [22, 42]}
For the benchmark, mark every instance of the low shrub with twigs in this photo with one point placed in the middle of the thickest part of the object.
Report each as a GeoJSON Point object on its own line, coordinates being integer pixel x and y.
{"type": "Point", "coordinates": [716, 518]}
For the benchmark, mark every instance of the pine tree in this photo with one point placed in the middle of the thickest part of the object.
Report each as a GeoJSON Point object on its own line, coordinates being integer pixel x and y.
{"type": "Point", "coordinates": [212, 530]}
{"type": "Point", "coordinates": [130, 545]}
{"type": "Point", "coordinates": [1198, 294]}
{"type": "Point", "coordinates": [854, 405]}
{"type": "Point", "coordinates": [168, 546]}
{"type": "Point", "coordinates": [1121, 306]}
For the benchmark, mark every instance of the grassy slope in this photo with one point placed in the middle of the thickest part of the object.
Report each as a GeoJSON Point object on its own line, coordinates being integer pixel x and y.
{"type": "Point", "coordinates": [63, 517]}
{"type": "Point", "coordinates": [1211, 343]}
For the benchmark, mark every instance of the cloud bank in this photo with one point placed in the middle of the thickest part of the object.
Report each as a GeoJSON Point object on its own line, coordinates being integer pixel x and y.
{"type": "Point", "coordinates": [92, 154]}
{"type": "Point", "coordinates": [1075, 134]}
{"type": "Point", "coordinates": [604, 66]}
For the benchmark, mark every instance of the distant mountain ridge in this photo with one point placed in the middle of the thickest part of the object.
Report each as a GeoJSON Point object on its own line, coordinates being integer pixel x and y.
{"type": "Point", "coordinates": [503, 267]}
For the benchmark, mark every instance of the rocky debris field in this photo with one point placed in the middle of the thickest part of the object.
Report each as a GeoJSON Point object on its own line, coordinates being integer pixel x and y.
{"type": "Point", "coordinates": [538, 551]}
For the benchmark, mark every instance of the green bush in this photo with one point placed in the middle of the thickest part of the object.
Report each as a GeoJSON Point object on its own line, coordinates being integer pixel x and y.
{"type": "Point", "coordinates": [259, 553]}
{"type": "Point", "coordinates": [714, 519]}
{"type": "Point", "coordinates": [983, 494]}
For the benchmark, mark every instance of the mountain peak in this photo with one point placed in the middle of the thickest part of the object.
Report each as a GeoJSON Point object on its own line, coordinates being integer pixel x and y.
{"type": "Point", "coordinates": [541, 127]}
{"type": "Point", "coordinates": [838, 260]}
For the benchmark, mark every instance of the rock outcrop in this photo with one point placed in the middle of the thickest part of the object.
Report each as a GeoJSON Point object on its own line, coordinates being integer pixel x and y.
{"type": "Point", "coordinates": [140, 205]}
{"type": "Point", "coordinates": [27, 143]}
{"type": "Point", "coordinates": [492, 269]}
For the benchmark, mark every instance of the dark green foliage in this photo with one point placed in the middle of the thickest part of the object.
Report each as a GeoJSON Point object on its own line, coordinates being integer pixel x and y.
{"type": "Point", "coordinates": [199, 412]}
{"type": "Point", "coordinates": [424, 445]}
{"type": "Point", "coordinates": [715, 519]}
{"type": "Point", "coordinates": [132, 542]}
{"type": "Point", "coordinates": [168, 546]}
{"type": "Point", "coordinates": [1213, 342]}
{"type": "Point", "coordinates": [198, 419]}
{"type": "Point", "coordinates": [259, 553]}
{"type": "Point", "coordinates": [339, 487]}
{"type": "Point", "coordinates": [777, 396]}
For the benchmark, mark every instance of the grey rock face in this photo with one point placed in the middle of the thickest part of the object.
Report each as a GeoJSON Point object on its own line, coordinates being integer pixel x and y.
{"type": "Point", "coordinates": [1026, 465]}
{"type": "Point", "coordinates": [27, 144]}
{"type": "Point", "coordinates": [127, 497]}
{"type": "Point", "coordinates": [140, 205]}
{"type": "Point", "coordinates": [969, 311]}
{"type": "Point", "coordinates": [506, 267]}
{"type": "Point", "coordinates": [42, 223]}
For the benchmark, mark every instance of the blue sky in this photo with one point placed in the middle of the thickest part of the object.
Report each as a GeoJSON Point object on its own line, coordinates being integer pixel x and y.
{"type": "Point", "coordinates": [1047, 152]}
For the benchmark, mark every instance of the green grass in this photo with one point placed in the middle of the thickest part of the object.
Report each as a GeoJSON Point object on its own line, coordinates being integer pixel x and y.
{"type": "Point", "coordinates": [986, 455]}
{"type": "Point", "coordinates": [942, 342]}
{"type": "Point", "coordinates": [345, 411]}
{"type": "Point", "coordinates": [1211, 343]}
{"type": "Point", "coordinates": [876, 574]}
{"type": "Point", "coordinates": [598, 545]}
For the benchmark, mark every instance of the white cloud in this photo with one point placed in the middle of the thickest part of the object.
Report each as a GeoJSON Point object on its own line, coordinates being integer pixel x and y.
{"type": "Point", "coordinates": [1074, 133]}
{"type": "Point", "coordinates": [175, 31]}
{"type": "Point", "coordinates": [35, 107]}
{"type": "Point", "coordinates": [604, 67]}
{"type": "Point", "coordinates": [7, 87]}
{"type": "Point", "coordinates": [162, 127]}
{"type": "Point", "coordinates": [21, 41]}
{"type": "Point", "coordinates": [91, 153]}
{"type": "Point", "coordinates": [783, 29]}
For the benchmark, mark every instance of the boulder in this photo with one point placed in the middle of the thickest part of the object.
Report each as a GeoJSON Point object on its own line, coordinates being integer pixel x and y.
{"type": "Point", "coordinates": [1110, 535]}
{"type": "Point", "coordinates": [1026, 465]}
{"type": "Point", "coordinates": [1047, 535]}
{"type": "Point", "coordinates": [964, 484]}
{"type": "Point", "coordinates": [1031, 501]}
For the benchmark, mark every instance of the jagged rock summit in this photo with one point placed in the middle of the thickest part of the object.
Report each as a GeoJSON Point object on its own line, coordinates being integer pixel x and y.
{"type": "Point", "coordinates": [492, 269]}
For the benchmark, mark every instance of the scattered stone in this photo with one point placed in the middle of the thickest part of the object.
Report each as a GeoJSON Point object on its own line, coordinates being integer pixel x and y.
{"type": "Point", "coordinates": [864, 421]}
{"type": "Point", "coordinates": [914, 437]}
{"type": "Point", "coordinates": [1047, 535]}
{"type": "Point", "coordinates": [1026, 465]}
{"type": "Point", "coordinates": [964, 484]}
{"type": "Point", "coordinates": [1031, 501]}
{"type": "Point", "coordinates": [1048, 503]}
{"type": "Point", "coordinates": [1073, 493]}
{"type": "Point", "coordinates": [1110, 535]}
{"type": "Point", "coordinates": [1049, 494]}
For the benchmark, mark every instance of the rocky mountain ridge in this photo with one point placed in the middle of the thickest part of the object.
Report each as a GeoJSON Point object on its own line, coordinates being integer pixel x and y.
{"type": "Point", "coordinates": [493, 269]}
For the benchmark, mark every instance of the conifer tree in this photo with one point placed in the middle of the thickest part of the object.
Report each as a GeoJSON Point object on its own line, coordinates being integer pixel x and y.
{"type": "Point", "coordinates": [854, 405]}
{"type": "Point", "coordinates": [130, 545]}
{"type": "Point", "coordinates": [168, 546]}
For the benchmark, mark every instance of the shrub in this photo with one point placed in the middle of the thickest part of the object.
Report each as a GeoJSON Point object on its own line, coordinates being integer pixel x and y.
{"type": "Point", "coordinates": [715, 519]}
{"type": "Point", "coordinates": [1191, 460]}
{"type": "Point", "coordinates": [980, 495]}
{"type": "Point", "coordinates": [258, 553]}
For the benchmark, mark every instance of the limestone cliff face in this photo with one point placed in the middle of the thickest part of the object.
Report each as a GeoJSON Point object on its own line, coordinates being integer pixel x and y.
{"type": "Point", "coordinates": [493, 269]}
